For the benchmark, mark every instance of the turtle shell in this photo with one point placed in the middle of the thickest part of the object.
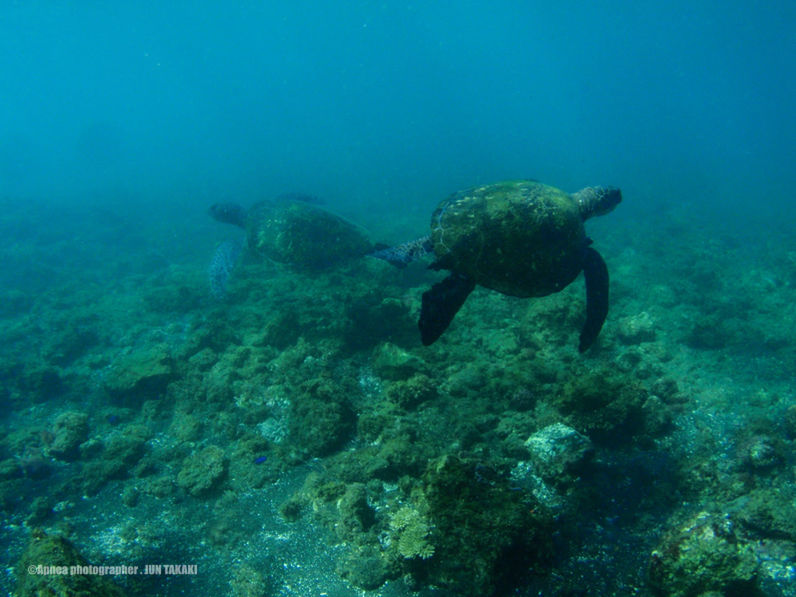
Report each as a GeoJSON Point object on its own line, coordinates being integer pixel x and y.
{"type": "Point", "coordinates": [302, 235]}
{"type": "Point", "coordinates": [521, 238]}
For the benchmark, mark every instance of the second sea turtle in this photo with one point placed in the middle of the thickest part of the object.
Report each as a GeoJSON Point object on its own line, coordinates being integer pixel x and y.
{"type": "Point", "coordinates": [294, 231]}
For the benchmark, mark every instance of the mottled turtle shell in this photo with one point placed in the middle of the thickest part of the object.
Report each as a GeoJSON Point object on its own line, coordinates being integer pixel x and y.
{"type": "Point", "coordinates": [521, 238]}
{"type": "Point", "coordinates": [302, 235]}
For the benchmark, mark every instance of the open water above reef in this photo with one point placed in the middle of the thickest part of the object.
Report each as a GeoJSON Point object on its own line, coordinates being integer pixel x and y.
{"type": "Point", "coordinates": [284, 430]}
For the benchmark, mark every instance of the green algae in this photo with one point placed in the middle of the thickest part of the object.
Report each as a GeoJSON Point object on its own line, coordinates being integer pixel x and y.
{"type": "Point", "coordinates": [142, 374]}
{"type": "Point", "coordinates": [202, 471]}
{"type": "Point", "coordinates": [333, 358]}
{"type": "Point", "coordinates": [55, 551]}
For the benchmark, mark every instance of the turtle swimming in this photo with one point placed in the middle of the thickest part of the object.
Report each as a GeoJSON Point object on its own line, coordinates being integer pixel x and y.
{"type": "Point", "coordinates": [294, 230]}
{"type": "Point", "coordinates": [521, 238]}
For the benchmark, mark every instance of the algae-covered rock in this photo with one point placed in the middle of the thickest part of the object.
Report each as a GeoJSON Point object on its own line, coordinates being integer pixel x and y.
{"type": "Point", "coordinates": [128, 446]}
{"type": "Point", "coordinates": [141, 375]}
{"type": "Point", "coordinates": [701, 556]}
{"type": "Point", "coordinates": [482, 534]}
{"type": "Point", "coordinates": [122, 452]}
{"type": "Point", "coordinates": [636, 329]}
{"type": "Point", "coordinates": [201, 472]}
{"type": "Point", "coordinates": [356, 515]}
{"type": "Point", "coordinates": [45, 569]}
{"type": "Point", "coordinates": [557, 451]}
{"type": "Point", "coordinates": [41, 383]}
{"type": "Point", "coordinates": [767, 514]}
{"type": "Point", "coordinates": [393, 362]}
{"type": "Point", "coordinates": [69, 431]}
{"type": "Point", "coordinates": [412, 392]}
{"type": "Point", "coordinates": [365, 568]}
{"type": "Point", "coordinates": [248, 582]}
{"type": "Point", "coordinates": [375, 319]}
{"type": "Point", "coordinates": [604, 405]}
{"type": "Point", "coordinates": [321, 419]}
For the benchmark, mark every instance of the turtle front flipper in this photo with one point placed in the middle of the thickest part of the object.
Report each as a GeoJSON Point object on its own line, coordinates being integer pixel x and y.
{"type": "Point", "coordinates": [440, 305]}
{"type": "Point", "coordinates": [596, 273]}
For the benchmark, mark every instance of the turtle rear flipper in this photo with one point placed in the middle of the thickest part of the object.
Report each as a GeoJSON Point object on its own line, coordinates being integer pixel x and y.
{"type": "Point", "coordinates": [596, 273]}
{"type": "Point", "coordinates": [402, 255]}
{"type": "Point", "coordinates": [440, 305]}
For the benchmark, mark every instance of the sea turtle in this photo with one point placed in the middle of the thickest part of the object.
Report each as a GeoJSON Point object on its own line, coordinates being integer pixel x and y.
{"type": "Point", "coordinates": [520, 237]}
{"type": "Point", "coordinates": [295, 231]}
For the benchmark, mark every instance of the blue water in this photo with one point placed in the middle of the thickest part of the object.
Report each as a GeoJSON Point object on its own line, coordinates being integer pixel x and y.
{"type": "Point", "coordinates": [383, 104]}
{"type": "Point", "coordinates": [122, 122]}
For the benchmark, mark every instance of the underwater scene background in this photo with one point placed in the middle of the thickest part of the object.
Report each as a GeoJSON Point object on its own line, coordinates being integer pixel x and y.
{"type": "Point", "coordinates": [178, 395]}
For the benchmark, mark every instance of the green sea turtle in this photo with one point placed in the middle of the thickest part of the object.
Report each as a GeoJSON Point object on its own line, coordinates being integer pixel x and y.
{"type": "Point", "coordinates": [521, 238]}
{"type": "Point", "coordinates": [292, 230]}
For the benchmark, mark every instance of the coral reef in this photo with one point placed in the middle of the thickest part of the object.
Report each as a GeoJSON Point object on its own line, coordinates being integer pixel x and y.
{"type": "Point", "coordinates": [297, 434]}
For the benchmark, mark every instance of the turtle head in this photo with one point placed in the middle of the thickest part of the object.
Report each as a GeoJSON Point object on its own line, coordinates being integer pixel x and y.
{"type": "Point", "coordinates": [229, 213]}
{"type": "Point", "coordinates": [597, 201]}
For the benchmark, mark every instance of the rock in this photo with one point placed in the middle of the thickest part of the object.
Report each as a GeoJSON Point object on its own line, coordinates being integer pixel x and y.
{"type": "Point", "coordinates": [762, 454]}
{"type": "Point", "coordinates": [558, 450]}
{"type": "Point", "coordinates": [202, 471]}
{"type": "Point", "coordinates": [790, 422]}
{"type": "Point", "coordinates": [636, 329]}
{"type": "Point", "coordinates": [701, 556]}
{"type": "Point", "coordinates": [482, 533]}
{"type": "Point", "coordinates": [356, 515]}
{"type": "Point", "coordinates": [59, 555]}
{"type": "Point", "coordinates": [41, 383]}
{"type": "Point", "coordinates": [248, 582]}
{"type": "Point", "coordinates": [70, 430]}
{"type": "Point", "coordinates": [365, 568]}
{"type": "Point", "coordinates": [395, 363]}
{"type": "Point", "coordinates": [411, 393]}
{"type": "Point", "coordinates": [143, 374]}
{"type": "Point", "coordinates": [320, 420]}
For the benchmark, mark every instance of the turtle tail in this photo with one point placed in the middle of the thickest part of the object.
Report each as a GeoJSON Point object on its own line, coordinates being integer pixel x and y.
{"type": "Point", "coordinates": [596, 273]}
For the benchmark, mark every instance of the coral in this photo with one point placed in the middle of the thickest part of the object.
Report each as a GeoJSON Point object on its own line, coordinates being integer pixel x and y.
{"type": "Point", "coordinates": [413, 533]}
